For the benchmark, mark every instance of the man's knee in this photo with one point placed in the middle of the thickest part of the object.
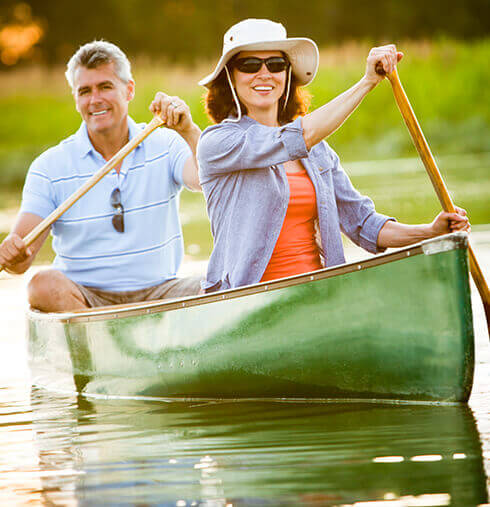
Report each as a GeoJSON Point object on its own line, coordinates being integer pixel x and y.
{"type": "Point", "coordinates": [51, 291]}
{"type": "Point", "coordinates": [43, 287]}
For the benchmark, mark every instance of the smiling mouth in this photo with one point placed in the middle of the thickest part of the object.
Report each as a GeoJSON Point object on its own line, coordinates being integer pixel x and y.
{"type": "Point", "coordinates": [99, 113]}
{"type": "Point", "coordinates": [263, 88]}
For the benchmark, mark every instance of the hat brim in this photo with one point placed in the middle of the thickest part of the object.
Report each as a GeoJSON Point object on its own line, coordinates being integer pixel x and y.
{"type": "Point", "coordinates": [301, 52]}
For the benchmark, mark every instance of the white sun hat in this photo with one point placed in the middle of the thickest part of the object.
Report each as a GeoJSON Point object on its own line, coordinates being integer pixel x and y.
{"type": "Point", "coordinates": [263, 35]}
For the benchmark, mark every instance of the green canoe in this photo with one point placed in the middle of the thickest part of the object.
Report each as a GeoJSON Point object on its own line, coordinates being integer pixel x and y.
{"type": "Point", "coordinates": [396, 326]}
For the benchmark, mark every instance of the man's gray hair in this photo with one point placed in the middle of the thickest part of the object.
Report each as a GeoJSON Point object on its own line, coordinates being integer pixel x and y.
{"type": "Point", "coordinates": [99, 52]}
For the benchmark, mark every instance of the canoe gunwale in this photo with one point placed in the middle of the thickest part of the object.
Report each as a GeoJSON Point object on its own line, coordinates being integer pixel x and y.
{"type": "Point", "coordinates": [432, 246]}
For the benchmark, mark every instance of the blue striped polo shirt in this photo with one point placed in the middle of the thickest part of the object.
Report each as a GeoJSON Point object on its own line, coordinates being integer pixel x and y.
{"type": "Point", "coordinates": [88, 249]}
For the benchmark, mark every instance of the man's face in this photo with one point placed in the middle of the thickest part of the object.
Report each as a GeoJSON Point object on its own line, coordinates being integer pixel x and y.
{"type": "Point", "coordinates": [101, 97]}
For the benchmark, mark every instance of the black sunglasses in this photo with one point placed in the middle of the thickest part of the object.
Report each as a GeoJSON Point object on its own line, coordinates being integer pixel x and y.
{"type": "Point", "coordinates": [118, 218]}
{"type": "Point", "coordinates": [252, 64]}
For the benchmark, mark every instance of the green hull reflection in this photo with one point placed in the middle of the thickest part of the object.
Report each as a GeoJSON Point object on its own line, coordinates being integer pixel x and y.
{"type": "Point", "coordinates": [395, 327]}
{"type": "Point", "coordinates": [255, 454]}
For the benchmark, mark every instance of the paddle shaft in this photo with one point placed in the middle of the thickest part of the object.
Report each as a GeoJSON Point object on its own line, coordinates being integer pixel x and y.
{"type": "Point", "coordinates": [435, 176]}
{"type": "Point", "coordinates": [107, 168]}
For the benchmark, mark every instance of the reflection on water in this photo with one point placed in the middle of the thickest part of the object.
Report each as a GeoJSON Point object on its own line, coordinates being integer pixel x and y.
{"type": "Point", "coordinates": [248, 453]}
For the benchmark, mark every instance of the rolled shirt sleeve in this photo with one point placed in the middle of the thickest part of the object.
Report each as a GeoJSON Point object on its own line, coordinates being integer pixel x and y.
{"type": "Point", "coordinates": [368, 237]}
{"type": "Point", "coordinates": [228, 147]}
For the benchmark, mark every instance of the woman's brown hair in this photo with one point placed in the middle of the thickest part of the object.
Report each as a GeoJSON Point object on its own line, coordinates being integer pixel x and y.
{"type": "Point", "coordinates": [219, 103]}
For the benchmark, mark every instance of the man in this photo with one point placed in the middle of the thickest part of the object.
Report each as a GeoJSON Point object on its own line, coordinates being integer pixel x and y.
{"type": "Point", "coordinates": [122, 241]}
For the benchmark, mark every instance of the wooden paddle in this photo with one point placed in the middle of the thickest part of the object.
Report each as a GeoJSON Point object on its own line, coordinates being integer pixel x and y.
{"type": "Point", "coordinates": [434, 174]}
{"type": "Point", "coordinates": [107, 168]}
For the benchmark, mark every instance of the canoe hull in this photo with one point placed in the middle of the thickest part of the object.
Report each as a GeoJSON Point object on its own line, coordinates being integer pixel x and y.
{"type": "Point", "coordinates": [400, 330]}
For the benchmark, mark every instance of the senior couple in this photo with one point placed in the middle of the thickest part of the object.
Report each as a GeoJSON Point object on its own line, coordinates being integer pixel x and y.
{"type": "Point", "coordinates": [277, 196]}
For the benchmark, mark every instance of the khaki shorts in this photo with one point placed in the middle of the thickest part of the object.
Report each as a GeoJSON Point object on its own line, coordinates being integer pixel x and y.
{"type": "Point", "coordinates": [176, 288]}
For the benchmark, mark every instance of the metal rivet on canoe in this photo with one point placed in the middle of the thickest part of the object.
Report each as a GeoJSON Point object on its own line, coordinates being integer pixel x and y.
{"type": "Point", "coordinates": [183, 304]}
{"type": "Point", "coordinates": [359, 266]}
{"type": "Point", "coordinates": [312, 277]}
{"type": "Point", "coordinates": [266, 287]}
{"type": "Point", "coordinates": [408, 253]}
{"type": "Point", "coordinates": [223, 297]}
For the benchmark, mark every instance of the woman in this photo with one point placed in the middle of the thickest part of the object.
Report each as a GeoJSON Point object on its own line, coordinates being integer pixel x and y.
{"type": "Point", "coordinates": [271, 183]}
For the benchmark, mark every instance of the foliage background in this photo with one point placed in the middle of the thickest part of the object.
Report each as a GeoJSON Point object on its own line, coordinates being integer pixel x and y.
{"type": "Point", "coordinates": [187, 30]}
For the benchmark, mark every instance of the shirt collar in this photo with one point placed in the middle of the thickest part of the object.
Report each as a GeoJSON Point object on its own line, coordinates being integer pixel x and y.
{"type": "Point", "coordinates": [244, 120]}
{"type": "Point", "coordinates": [83, 141]}
{"type": "Point", "coordinates": [85, 145]}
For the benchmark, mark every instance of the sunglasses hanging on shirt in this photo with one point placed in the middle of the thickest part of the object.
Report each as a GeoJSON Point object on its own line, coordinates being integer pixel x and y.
{"type": "Point", "coordinates": [252, 64]}
{"type": "Point", "coordinates": [118, 217]}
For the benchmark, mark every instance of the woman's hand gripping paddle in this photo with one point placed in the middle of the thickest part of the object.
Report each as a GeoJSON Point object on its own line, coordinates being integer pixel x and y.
{"type": "Point", "coordinates": [435, 175]}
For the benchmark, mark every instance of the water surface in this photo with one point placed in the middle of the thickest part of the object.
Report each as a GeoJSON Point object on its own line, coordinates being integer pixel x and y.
{"type": "Point", "coordinates": [102, 451]}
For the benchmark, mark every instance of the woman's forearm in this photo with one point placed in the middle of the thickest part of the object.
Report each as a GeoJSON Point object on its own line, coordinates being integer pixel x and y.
{"type": "Point", "coordinates": [325, 120]}
{"type": "Point", "coordinates": [395, 234]}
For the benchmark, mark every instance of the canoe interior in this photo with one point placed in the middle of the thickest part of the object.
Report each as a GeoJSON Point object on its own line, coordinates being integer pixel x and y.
{"type": "Point", "coordinates": [399, 330]}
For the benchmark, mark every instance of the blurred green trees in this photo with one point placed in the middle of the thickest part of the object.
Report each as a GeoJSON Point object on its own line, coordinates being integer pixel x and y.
{"type": "Point", "coordinates": [184, 30]}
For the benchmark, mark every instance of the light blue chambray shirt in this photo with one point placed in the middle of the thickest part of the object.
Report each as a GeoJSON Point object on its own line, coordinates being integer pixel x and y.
{"type": "Point", "coordinates": [88, 249]}
{"type": "Point", "coordinates": [247, 195]}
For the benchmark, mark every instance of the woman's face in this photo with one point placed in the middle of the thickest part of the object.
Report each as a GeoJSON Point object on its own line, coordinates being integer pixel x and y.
{"type": "Point", "coordinates": [262, 90]}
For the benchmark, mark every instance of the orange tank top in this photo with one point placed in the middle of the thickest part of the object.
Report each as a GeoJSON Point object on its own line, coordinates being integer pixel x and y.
{"type": "Point", "coordinates": [296, 250]}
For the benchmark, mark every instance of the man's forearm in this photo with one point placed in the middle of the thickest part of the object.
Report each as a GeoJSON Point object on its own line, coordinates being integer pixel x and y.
{"type": "Point", "coordinates": [190, 172]}
{"type": "Point", "coordinates": [191, 137]}
{"type": "Point", "coordinates": [19, 268]}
